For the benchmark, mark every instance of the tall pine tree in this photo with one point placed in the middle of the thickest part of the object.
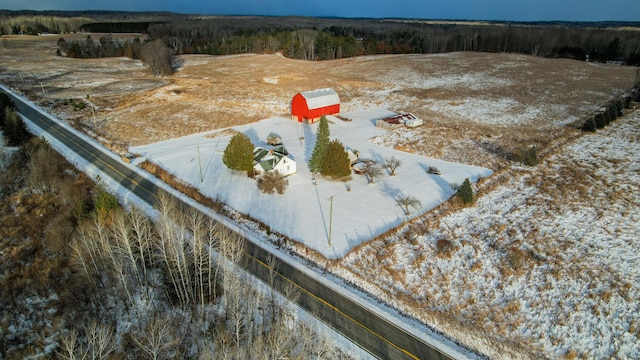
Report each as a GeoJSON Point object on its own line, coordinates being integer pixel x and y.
{"type": "Point", "coordinates": [319, 150]}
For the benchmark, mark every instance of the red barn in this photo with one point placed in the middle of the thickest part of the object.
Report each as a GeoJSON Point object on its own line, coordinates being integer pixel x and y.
{"type": "Point", "coordinates": [309, 106]}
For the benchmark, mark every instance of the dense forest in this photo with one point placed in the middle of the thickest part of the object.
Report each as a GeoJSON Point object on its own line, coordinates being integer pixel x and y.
{"type": "Point", "coordinates": [331, 38]}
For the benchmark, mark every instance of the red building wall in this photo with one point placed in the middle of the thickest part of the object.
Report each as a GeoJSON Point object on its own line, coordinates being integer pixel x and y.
{"type": "Point", "coordinates": [301, 111]}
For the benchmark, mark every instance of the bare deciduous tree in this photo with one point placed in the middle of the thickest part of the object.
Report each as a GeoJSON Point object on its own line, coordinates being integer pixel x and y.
{"type": "Point", "coordinates": [391, 164]}
{"type": "Point", "coordinates": [372, 170]}
{"type": "Point", "coordinates": [157, 338]}
{"type": "Point", "coordinates": [408, 201]}
{"type": "Point", "coordinates": [100, 342]}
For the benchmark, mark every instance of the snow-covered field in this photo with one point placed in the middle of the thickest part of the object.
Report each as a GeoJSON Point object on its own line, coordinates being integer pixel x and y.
{"type": "Point", "coordinates": [305, 212]}
{"type": "Point", "coordinates": [547, 258]}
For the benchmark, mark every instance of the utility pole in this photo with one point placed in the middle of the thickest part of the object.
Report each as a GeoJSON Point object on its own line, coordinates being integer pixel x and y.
{"type": "Point", "coordinates": [330, 216]}
{"type": "Point", "coordinates": [42, 86]}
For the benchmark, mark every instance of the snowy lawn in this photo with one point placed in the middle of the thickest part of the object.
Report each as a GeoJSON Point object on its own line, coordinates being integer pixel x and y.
{"type": "Point", "coordinates": [305, 212]}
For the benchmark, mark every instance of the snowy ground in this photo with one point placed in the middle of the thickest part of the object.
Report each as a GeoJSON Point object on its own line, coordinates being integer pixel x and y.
{"type": "Point", "coordinates": [6, 152]}
{"type": "Point", "coordinates": [305, 213]}
{"type": "Point", "coordinates": [546, 259]}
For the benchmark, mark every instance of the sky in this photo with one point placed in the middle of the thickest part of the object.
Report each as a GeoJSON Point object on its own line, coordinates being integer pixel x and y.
{"type": "Point", "coordinates": [512, 10]}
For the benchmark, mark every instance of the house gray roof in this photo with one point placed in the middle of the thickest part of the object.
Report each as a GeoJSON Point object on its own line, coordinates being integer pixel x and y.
{"type": "Point", "coordinates": [268, 159]}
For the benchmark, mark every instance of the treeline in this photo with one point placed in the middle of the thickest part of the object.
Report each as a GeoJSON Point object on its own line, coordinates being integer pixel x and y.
{"type": "Point", "coordinates": [323, 39]}
{"type": "Point", "coordinates": [11, 24]}
{"type": "Point", "coordinates": [117, 27]}
{"type": "Point", "coordinates": [27, 22]}
{"type": "Point", "coordinates": [154, 53]}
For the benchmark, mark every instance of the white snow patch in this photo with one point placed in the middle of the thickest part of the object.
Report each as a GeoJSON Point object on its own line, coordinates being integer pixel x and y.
{"type": "Point", "coordinates": [305, 213]}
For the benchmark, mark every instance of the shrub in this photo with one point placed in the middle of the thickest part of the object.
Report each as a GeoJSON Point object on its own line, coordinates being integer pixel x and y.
{"type": "Point", "coordinates": [336, 161]}
{"type": "Point", "coordinates": [529, 156]}
{"type": "Point", "coordinates": [433, 170]}
{"type": "Point", "coordinates": [272, 181]}
{"type": "Point", "coordinates": [465, 192]}
{"type": "Point", "coordinates": [627, 102]}
{"type": "Point", "coordinates": [619, 107]}
{"type": "Point", "coordinates": [444, 246]}
{"type": "Point", "coordinates": [589, 125]}
{"type": "Point", "coordinates": [106, 203]}
{"type": "Point", "coordinates": [14, 129]}
{"type": "Point", "coordinates": [78, 105]}
{"type": "Point", "coordinates": [5, 102]}
{"type": "Point", "coordinates": [600, 121]}
{"type": "Point", "coordinates": [612, 111]}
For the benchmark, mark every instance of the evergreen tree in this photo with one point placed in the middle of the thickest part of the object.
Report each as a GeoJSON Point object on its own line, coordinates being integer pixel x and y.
{"type": "Point", "coordinates": [465, 192]}
{"type": "Point", "coordinates": [106, 203]}
{"type": "Point", "coordinates": [589, 125]}
{"type": "Point", "coordinates": [319, 150]}
{"type": "Point", "coordinates": [600, 121]}
{"type": "Point", "coordinates": [619, 107]}
{"type": "Point", "coordinates": [612, 110]}
{"type": "Point", "coordinates": [14, 129]}
{"type": "Point", "coordinates": [238, 155]}
{"type": "Point", "coordinates": [336, 161]}
{"type": "Point", "coordinates": [5, 102]}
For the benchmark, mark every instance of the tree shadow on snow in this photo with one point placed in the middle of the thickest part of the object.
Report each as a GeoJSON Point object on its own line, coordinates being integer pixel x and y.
{"type": "Point", "coordinates": [309, 140]}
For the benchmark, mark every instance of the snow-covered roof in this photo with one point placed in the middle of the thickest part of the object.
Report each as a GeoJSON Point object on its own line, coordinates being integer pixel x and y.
{"type": "Point", "coordinates": [321, 98]}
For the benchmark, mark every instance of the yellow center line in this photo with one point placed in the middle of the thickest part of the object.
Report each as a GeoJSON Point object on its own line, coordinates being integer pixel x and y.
{"type": "Point", "coordinates": [334, 308]}
{"type": "Point", "coordinates": [101, 160]}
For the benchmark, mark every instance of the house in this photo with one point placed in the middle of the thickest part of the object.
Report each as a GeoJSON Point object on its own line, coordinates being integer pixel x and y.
{"type": "Point", "coordinates": [276, 159]}
{"type": "Point", "coordinates": [310, 106]}
{"type": "Point", "coordinates": [399, 120]}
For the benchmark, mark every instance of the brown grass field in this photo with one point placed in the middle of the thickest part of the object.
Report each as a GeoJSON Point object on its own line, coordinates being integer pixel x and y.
{"type": "Point", "coordinates": [526, 99]}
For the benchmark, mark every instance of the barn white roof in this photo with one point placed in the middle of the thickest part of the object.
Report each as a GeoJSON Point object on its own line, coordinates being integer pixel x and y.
{"type": "Point", "coordinates": [321, 98]}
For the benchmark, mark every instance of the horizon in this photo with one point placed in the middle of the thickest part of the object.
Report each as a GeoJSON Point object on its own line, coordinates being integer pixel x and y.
{"type": "Point", "coordinates": [461, 10]}
{"type": "Point", "coordinates": [444, 20]}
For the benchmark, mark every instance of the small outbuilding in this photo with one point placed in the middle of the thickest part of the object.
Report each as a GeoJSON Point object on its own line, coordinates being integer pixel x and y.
{"type": "Point", "coordinates": [310, 106]}
{"type": "Point", "coordinates": [399, 120]}
{"type": "Point", "coordinates": [274, 139]}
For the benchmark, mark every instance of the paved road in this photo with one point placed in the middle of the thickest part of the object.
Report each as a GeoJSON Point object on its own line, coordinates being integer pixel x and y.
{"type": "Point", "coordinates": [364, 327]}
